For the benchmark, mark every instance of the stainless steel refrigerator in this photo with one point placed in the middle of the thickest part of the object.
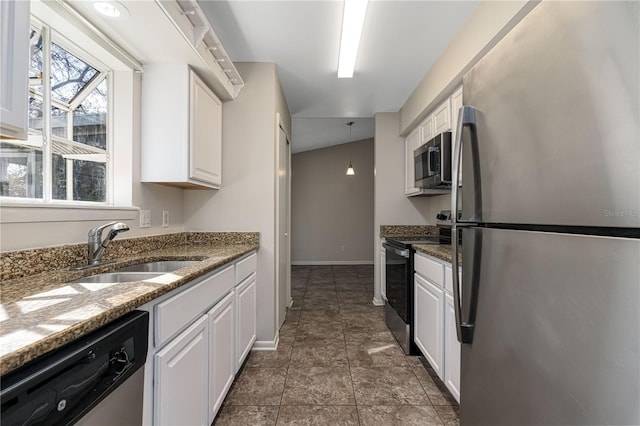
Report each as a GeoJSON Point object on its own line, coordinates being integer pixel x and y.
{"type": "Point", "coordinates": [549, 146]}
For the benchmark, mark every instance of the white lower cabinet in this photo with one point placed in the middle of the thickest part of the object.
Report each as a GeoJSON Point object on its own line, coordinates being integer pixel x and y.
{"type": "Point", "coordinates": [452, 349]}
{"type": "Point", "coordinates": [246, 314]}
{"type": "Point", "coordinates": [222, 363]}
{"type": "Point", "coordinates": [428, 320]}
{"type": "Point", "coordinates": [435, 320]}
{"type": "Point", "coordinates": [181, 378]}
{"type": "Point", "coordinates": [202, 332]}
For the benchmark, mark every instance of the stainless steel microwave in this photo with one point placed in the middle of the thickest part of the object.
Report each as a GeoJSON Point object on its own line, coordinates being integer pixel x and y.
{"type": "Point", "coordinates": [433, 163]}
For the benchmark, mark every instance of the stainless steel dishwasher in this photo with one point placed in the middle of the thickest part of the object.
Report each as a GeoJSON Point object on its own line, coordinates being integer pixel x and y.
{"type": "Point", "coordinates": [94, 380]}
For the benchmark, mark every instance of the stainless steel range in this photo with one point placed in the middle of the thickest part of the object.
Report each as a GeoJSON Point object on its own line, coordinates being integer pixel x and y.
{"type": "Point", "coordinates": [398, 310]}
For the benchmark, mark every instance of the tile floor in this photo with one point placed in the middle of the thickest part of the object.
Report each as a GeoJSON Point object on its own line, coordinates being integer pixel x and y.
{"type": "Point", "coordinates": [336, 363]}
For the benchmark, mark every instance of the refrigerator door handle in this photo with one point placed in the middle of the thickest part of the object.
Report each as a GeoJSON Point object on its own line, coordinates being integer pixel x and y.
{"type": "Point", "coordinates": [467, 117]}
{"type": "Point", "coordinates": [464, 330]}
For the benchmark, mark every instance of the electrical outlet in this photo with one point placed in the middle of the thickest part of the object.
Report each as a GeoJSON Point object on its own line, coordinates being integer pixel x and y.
{"type": "Point", "coordinates": [342, 248]}
{"type": "Point", "coordinates": [165, 218]}
{"type": "Point", "coordinates": [145, 218]}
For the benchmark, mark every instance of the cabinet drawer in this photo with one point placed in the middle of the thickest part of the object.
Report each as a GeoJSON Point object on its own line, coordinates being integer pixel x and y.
{"type": "Point", "coordinates": [429, 269]}
{"type": "Point", "coordinates": [246, 267]}
{"type": "Point", "coordinates": [174, 314]}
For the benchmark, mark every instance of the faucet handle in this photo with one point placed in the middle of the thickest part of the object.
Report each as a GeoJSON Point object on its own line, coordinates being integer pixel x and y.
{"type": "Point", "coordinates": [97, 231]}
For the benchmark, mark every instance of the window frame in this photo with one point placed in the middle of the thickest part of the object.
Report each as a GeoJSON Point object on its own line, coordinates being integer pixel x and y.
{"type": "Point", "coordinates": [50, 35]}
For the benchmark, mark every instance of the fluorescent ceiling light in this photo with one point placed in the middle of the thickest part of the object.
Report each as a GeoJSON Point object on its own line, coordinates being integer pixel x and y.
{"type": "Point", "coordinates": [352, 21]}
{"type": "Point", "coordinates": [111, 9]}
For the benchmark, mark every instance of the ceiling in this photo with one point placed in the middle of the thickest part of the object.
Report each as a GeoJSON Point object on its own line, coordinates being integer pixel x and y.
{"type": "Point", "coordinates": [400, 42]}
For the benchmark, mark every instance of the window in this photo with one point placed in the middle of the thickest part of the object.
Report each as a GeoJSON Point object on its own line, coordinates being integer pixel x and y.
{"type": "Point", "coordinates": [66, 156]}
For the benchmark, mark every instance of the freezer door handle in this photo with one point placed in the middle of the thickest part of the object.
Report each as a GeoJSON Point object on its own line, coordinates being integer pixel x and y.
{"type": "Point", "coordinates": [467, 117]}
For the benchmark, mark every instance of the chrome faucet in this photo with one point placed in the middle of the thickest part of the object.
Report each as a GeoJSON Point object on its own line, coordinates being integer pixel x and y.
{"type": "Point", "coordinates": [97, 246]}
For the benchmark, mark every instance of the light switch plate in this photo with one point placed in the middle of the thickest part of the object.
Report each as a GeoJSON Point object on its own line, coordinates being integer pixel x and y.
{"type": "Point", "coordinates": [145, 218]}
{"type": "Point", "coordinates": [165, 218]}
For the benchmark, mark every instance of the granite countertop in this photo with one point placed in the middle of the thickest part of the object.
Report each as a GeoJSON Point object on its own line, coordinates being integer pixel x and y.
{"type": "Point", "coordinates": [401, 231]}
{"type": "Point", "coordinates": [439, 251]}
{"type": "Point", "coordinates": [42, 312]}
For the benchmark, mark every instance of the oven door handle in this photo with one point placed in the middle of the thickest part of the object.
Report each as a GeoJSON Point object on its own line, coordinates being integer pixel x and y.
{"type": "Point", "coordinates": [404, 253]}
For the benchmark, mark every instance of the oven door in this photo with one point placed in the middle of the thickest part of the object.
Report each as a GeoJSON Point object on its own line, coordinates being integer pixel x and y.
{"type": "Point", "coordinates": [398, 278]}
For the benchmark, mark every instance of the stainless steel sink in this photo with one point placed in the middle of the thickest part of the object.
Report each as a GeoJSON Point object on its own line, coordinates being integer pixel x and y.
{"type": "Point", "coordinates": [118, 277]}
{"type": "Point", "coordinates": [160, 266]}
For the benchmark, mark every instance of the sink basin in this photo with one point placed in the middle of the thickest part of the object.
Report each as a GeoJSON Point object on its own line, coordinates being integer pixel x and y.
{"type": "Point", "coordinates": [117, 277]}
{"type": "Point", "coordinates": [160, 266]}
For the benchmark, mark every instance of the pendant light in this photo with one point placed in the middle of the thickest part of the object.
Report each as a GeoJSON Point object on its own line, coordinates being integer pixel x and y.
{"type": "Point", "coordinates": [350, 171]}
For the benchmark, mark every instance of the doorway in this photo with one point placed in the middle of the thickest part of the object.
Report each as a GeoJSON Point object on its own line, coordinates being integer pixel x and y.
{"type": "Point", "coordinates": [283, 257]}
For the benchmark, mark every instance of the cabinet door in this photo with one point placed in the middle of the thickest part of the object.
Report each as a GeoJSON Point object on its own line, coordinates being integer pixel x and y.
{"type": "Point", "coordinates": [428, 316]}
{"type": "Point", "coordinates": [383, 274]}
{"type": "Point", "coordinates": [451, 349]}
{"type": "Point", "coordinates": [205, 141]}
{"type": "Point", "coordinates": [181, 378]}
{"type": "Point", "coordinates": [246, 314]}
{"type": "Point", "coordinates": [426, 130]}
{"type": "Point", "coordinates": [456, 104]}
{"type": "Point", "coordinates": [14, 68]}
{"type": "Point", "coordinates": [442, 117]}
{"type": "Point", "coordinates": [410, 144]}
{"type": "Point", "coordinates": [221, 352]}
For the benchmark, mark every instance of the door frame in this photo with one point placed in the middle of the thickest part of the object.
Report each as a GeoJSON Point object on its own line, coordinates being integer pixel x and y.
{"type": "Point", "coordinates": [279, 125]}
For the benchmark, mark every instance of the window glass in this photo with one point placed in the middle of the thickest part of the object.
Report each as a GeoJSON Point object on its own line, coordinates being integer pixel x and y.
{"type": "Point", "coordinates": [20, 171]}
{"type": "Point", "coordinates": [89, 181]}
{"type": "Point", "coordinates": [59, 174]}
{"type": "Point", "coordinates": [36, 119]}
{"type": "Point", "coordinates": [90, 118]}
{"type": "Point", "coordinates": [59, 122]}
{"type": "Point", "coordinates": [69, 75]}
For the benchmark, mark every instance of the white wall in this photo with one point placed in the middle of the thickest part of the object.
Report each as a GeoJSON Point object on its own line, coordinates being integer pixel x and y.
{"type": "Point", "coordinates": [73, 227]}
{"type": "Point", "coordinates": [392, 207]}
{"type": "Point", "coordinates": [332, 213]}
{"type": "Point", "coordinates": [246, 201]}
{"type": "Point", "coordinates": [489, 22]}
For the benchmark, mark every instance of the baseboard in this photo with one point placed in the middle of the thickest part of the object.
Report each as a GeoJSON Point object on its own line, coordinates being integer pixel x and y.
{"type": "Point", "coordinates": [378, 302]}
{"type": "Point", "coordinates": [332, 262]}
{"type": "Point", "coordinates": [266, 345]}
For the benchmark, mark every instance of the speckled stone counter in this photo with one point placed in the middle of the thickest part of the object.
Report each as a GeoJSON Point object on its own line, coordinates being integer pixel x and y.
{"type": "Point", "coordinates": [442, 252]}
{"type": "Point", "coordinates": [399, 231]}
{"type": "Point", "coordinates": [39, 313]}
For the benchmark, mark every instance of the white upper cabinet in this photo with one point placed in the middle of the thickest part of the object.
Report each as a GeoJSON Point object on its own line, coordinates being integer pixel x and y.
{"type": "Point", "coordinates": [442, 117]}
{"type": "Point", "coordinates": [14, 68]}
{"type": "Point", "coordinates": [181, 128]}
{"type": "Point", "coordinates": [410, 144]}
{"type": "Point", "coordinates": [426, 130]}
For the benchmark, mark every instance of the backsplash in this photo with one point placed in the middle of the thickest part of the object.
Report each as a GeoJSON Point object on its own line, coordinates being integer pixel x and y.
{"type": "Point", "coordinates": [407, 230]}
{"type": "Point", "coordinates": [22, 263]}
